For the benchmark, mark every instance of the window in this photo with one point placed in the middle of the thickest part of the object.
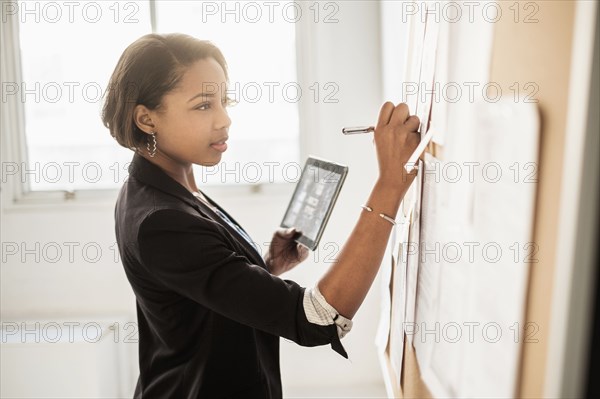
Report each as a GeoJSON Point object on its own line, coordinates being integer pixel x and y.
{"type": "Point", "coordinates": [69, 49]}
{"type": "Point", "coordinates": [259, 43]}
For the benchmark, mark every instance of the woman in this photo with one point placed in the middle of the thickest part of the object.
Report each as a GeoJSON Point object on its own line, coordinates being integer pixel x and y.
{"type": "Point", "coordinates": [210, 309]}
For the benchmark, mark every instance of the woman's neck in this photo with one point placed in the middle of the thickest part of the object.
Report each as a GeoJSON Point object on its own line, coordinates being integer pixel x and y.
{"type": "Point", "coordinates": [181, 173]}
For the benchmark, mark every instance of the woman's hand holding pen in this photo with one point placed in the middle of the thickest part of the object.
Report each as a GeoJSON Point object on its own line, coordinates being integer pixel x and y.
{"type": "Point", "coordinates": [284, 253]}
{"type": "Point", "coordinates": [396, 138]}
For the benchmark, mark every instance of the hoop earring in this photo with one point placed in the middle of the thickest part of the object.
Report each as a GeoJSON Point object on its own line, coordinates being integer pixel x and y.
{"type": "Point", "coordinates": [153, 152]}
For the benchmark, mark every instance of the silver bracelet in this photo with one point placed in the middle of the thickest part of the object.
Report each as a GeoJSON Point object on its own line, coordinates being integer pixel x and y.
{"type": "Point", "coordinates": [382, 215]}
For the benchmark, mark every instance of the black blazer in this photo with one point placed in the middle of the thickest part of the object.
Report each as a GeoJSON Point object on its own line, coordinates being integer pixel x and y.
{"type": "Point", "coordinates": [209, 312]}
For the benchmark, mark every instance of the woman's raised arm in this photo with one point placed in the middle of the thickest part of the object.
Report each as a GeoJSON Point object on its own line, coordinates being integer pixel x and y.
{"type": "Point", "coordinates": [346, 283]}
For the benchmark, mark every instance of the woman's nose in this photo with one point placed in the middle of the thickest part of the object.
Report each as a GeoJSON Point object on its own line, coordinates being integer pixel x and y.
{"type": "Point", "coordinates": [223, 121]}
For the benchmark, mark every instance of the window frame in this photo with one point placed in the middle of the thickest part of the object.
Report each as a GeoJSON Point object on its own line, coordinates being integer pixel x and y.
{"type": "Point", "coordinates": [15, 195]}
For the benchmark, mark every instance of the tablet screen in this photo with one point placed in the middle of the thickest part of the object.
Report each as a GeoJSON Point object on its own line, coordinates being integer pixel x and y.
{"type": "Point", "coordinates": [313, 199]}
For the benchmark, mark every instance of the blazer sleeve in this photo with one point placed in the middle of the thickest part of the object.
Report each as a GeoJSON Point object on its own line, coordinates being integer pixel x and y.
{"type": "Point", "coordinates": [192, 256]}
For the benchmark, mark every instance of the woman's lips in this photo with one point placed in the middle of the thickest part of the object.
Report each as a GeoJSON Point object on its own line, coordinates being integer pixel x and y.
{"type": "Point", "coordinates": [221, 146]}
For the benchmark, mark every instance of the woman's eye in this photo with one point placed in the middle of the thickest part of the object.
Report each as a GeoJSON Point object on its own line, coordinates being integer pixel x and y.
{"type": "Point", "coordinates": [227, 101]}
{"type": "Point", "coordinates": [203, 106]}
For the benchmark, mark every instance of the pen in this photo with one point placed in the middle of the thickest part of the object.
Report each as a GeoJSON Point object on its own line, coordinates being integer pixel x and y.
{"type": "Point", "coordinates": [412, 161]}
{"type": "Point", "coordinates": [358, 129]}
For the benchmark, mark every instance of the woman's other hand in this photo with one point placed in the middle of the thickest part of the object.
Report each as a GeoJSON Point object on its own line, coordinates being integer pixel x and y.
{"type": "Point", "coordinates": [284, 253]}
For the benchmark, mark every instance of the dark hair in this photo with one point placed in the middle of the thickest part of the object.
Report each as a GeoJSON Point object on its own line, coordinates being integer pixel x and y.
{"type": "Point", "coordinates": [148, 69]}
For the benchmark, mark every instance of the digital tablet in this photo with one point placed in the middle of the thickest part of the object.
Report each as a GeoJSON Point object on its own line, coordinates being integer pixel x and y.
{"type": "Point", "coordinates": [313, 199]}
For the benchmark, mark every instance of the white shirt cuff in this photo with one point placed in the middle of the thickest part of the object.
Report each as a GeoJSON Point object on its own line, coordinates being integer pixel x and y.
{"type": "Point", "coordinates": [319, 311]}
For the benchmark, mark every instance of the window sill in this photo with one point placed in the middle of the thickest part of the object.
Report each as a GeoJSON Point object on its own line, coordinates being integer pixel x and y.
{"type": "Point", "coordinates": [103, 199]}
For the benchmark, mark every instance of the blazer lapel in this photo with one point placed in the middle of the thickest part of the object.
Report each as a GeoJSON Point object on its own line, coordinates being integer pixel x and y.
{"type": "Point", "coordinates": [151, 174]}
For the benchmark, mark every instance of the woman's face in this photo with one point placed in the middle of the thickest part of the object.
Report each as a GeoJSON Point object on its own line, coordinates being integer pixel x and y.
{"type": "Point", "coordinates": [192, 123]}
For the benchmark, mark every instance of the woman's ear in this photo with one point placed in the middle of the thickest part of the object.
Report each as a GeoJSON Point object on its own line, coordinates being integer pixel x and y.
{"type": "Point", "coordinates": [142, 118]}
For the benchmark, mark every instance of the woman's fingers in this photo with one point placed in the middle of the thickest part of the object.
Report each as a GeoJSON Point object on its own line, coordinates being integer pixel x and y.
{"type": "Point", "coordinates": [285, 233]}
{"type": "Point", "coordinates": [283, 241]}
{"type": "Point", "coordinates": [399, 115]}
{"type": "Point", "coordinates": [302, 252]}
{"type": "Point", "coordinates": [385, 114]}
{"type": "Point", "coordinates": [412, 123]}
